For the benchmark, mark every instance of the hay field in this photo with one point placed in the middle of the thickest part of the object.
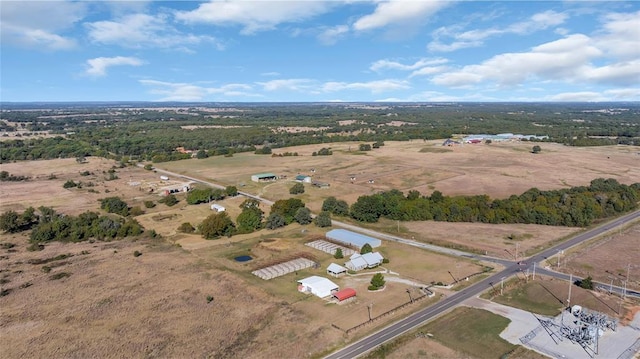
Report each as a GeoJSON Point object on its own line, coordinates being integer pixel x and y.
{"type": "Point", "coordinates": [498, 169]}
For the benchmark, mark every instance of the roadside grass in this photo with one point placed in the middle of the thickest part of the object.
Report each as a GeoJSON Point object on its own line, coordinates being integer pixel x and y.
{"type": "Point", "coordinates": [471, 332]}
{"type": "Point", "coordinates": [536, 297]}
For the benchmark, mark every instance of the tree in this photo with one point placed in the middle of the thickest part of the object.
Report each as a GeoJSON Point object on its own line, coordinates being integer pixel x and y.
{"type": "Point", "coordinates": [186, 227]}
{"type": "Point", "coordinates": [9, 222]}
{"type": "Point", "coordinates": [303, 215]}
{"type": "Point", "coordinates": [250, 219]}
{"type": "Point", "coordinates": [366, 249]}
{"type": "Point", "coordinates": [323, 219]}
{"type": "Point", "coordinates": [216, 225]}
{"type": "Point", "coordinates": [297, 188]}
{"type": "Point", "coordinates": [202, 154]}
{"type": "Point", "coordinates": [274, 221]}
{"type": "Point", "coordinates": [287, 208]}
{"type": "Point", "coordinates": [169, 200]}
{"type": "Point", "coordinates": [586, 283]}
{"type": "Point", "coordinates": [338, 254]}
{"type": "Point", "coordinates": [536, 149]}
{"type": "Point", "coordinates": [377, 281]}
{"type": "Point", "coordinates": [115, 205]}
{"type": "Point", "coordinates": [69, 184]}
{"type": "Point", "coordinates": [364, 147]}
{"type": "Point", "coordinates": [231, 191]}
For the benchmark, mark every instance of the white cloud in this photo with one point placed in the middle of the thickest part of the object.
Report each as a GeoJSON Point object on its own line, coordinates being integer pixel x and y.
{"type": "Point", "coordinates": [564, 59]}
{"type": "Point", "coordinates": [373, 86]}
{"type": "Point", "coordinates": [142, 30]}
{"type": "Point", "coordinates": [253, 16]}
{"type": "Point", "coordinates": [395, 65]}
{"type": "Point", "coordinates": [40, 24]}
{"type": "Point", "coordinates": [398, 12]}
{"type": "Point", "coordinates": [584, 96]}
{"type": "Point", "coordinates": [331, 35]}
{"type": "Point", "coordinates": [287, 85]}
{"type": "Point", "coordinates": [99, 65]}
{"type": "Point", "coordinates": [476, 38]}
{"type": "Point", "coordinates": [620, 36]}
{"type": "Point", "coordinates": [177, 91]}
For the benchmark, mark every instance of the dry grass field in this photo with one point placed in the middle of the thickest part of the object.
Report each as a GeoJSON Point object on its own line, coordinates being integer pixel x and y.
{"type": "Point", "coordinates": [113, 304]}
{"type": "Point", "coordinates": [607, 259]}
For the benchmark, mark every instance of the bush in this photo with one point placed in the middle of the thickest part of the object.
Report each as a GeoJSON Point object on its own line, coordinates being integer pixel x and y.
{"type": "Point", "coordinates": [59, 276]}
{"type": "Point", "coordinates": [297, 188]}
{"type": "Point", "coordinates": [136, 211]}
{"type": "Point", "coordinates": [137, 254]}
{"type": "Point", "coordinates": [149, 204]}
{"type": "Point", "coordinates": [209, 298]}
{"type": "Point", "coordinates": [323, 219]}
{"type": "Point", "coordinates": [186, 227]}
{"type": "Point", "coordinates": [69, 184]}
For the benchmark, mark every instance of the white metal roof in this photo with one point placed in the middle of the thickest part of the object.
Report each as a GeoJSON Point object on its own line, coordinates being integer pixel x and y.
{"type": "Point", "coordinates": [336, 268]}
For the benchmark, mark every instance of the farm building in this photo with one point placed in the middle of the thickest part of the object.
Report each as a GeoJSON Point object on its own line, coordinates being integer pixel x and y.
{"type": "Point", "coordinates": [319, 286]}
{"type": "Point", "coordinates": [344, 294]}
{"type": "Point", "coordinates": [320, 184]}
{"type": "Point", "coordinates": [217, 208]}
{"type": "Point", "coordinates": [362, 261]}
{"type": "Point", "coordinates": [264, 177]}
{"type": "Point", "coordinates": [352, 239]}
{"type": "Point", "coordinates": [303, 178]}
{"type": "Point", "coordinates": [336, 270]}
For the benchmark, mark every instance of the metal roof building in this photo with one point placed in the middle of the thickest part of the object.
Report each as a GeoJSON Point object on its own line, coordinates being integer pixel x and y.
{"type": "Point", "coordinates": [320, 286]}
{"type": "Point", "coordinates": [344, 294]}
{"type": "Point", "coordinates": [352, 238]}
{"type": "Point", "coordinates": [264, 177]}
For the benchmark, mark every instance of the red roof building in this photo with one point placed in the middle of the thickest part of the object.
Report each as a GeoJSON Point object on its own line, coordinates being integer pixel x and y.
{"type": "Point", "coordinates": [344, 294]}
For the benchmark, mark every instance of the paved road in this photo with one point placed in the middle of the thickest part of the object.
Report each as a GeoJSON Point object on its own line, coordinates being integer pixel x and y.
{"type": "Point", "coordinates": [419, 318]}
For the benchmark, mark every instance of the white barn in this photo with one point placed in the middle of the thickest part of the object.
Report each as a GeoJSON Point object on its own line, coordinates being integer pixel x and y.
{"type": "Point", "coordinates": [319, 286]}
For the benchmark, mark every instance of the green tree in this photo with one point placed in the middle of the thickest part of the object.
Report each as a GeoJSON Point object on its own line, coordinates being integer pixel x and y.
{"type": "Point", "coordinates": [287, 208]}
{"type": "Point", "coordinates": [216, 225]}
{"type": "Point", "coordinates": [250, 219]}
{"type": "Point", "coordinates": [170, 200]}
{"type": "Point", "coordinates": [377, 281]}
{"type": "Point", "coordinates": [115, 205]}
{"type": "Point", "coordinates": [274, 221]}
{"type": "Point", "coordinates": [303, 215]}
{"type": "Point", "coordinates": [186, 227]}
{"type": "Point", "coordinates": [202, 154]}
{"type": "Point", "coordinates": [338, 254]}
{"type": "Point", "coordinates": [231, 191]}
{"type": "Point", "coordinates": [323, 219]}
{"type": "Point", "coordinates": [364, 147]}
{"type": "Point", "coordinates": [297, 188]}
{"type": "Point", "coordinates": [9, 221]}
{"type": "Point", "coordinates": [587, 283]}
{"type": "Point", "coordinates": [366, 249]}
{"type": "Point", "coordinates": [536, 149]}
{"type": "Point", "coordinates": [69, 184]}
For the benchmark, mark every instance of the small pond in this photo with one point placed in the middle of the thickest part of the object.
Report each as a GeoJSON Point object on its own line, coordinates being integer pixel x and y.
{"type": "Point", "coordinates": [243, 258]}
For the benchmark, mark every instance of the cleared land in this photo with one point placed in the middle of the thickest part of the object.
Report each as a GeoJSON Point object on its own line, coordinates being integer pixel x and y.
{"type": "Point", "coordinates": [155, 305]}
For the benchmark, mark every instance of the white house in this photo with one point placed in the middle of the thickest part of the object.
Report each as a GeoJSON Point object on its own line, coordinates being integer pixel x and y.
{"type": "Point", "coordinates": [217, 208]}
{"type": "Point", "coordinates": [336, 270]}
{"type": "Point", "coordinates": [319, 286]}
{"type": "Point", "coordinates": [361, 261]}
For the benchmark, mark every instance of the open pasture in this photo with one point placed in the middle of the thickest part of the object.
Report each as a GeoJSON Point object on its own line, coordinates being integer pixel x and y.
{"type": "Point", "coordinates": [497, 170]}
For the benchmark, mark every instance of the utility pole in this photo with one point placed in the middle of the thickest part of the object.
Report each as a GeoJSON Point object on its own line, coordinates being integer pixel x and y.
{"type": "Point", "coordinates": [501, 284]}
{"type": "Point", "coordinates": [570, 284]}
{"type": "Point", "coordinates": [369, 307]}
{"type": "Point", "coordinates": [409, 292]}
{"type": "Point", "coordinates": [534, 270]}
{"type": "Point", "coordinates": [627, 281]}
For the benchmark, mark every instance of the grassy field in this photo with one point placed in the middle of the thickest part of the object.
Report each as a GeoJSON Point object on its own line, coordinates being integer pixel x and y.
{"type": "Point", "coordinates": [548, 296]}
{"type": "Point", "coordinates": [155, 305]}
{"type": "Point", "coordinates": [464, 333]}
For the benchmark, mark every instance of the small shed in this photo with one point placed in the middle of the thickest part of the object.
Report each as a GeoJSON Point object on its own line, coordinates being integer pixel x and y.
{"type": "Point", "coordinates": [344, 294]}
{"type": "Point", "coordinates": [352, 238]}
{"type": "Point", "coordinates": [336, 270]}
{"type": "Point", "coordinates": [303, 178]}
{"type": "Point", "coordinates": [319, 286]}
{"type": "Point", "coordinates": [217, 208]}
{"type": "Point", "coordinates": [264, 177]}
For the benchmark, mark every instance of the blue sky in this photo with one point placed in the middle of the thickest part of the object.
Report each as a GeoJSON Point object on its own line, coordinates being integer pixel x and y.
{"type": "Point", "coordinates": [262, 51]}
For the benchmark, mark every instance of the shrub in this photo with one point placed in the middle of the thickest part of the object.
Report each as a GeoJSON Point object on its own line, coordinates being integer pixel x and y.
{"type": "Point", "coordinates": [209, 298]}
{"type": "Point", "coordinates": [59, 276]}
{"type": "Point", "coordinates": [137, 254]}
{"type": "Point", "coordinates": [186, 227]}
{"type": "Point", "coordinates": [69, 184]}
{"type": "Point", "coordinates": [149, 204]}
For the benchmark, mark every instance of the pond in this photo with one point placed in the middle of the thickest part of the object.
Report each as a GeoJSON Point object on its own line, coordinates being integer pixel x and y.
{"type": "Point", "coordinates": [243, 258]}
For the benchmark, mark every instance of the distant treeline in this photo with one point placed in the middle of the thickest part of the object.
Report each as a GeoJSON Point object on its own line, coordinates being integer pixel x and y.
{"type": "Point", "coordinates": [576, 206]}
{"type": "Point", "coordinates": [148, 135]}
